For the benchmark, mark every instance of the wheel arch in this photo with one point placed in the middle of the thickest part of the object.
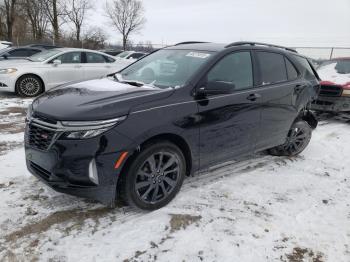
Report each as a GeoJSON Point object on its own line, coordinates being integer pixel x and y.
{"type": "Point", "coordinates": [173, 138]}
{"type": "Point", "coordinates": [308, 117]}
{"type": "Point", "coordinates": [176, 139]}
{"type": "Point", "coordinates": [30, 74]}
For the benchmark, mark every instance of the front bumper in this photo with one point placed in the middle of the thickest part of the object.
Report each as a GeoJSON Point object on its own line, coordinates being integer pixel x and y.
{"type": "Point", "coordinates": [8, 82]}
{"type": "Point", "coordinates": [64, 166]}
{"type": "Point", "coordinates": [331, 104]}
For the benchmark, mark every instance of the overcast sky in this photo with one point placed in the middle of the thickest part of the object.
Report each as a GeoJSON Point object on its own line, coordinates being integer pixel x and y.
{"type": "Point", "coordinates": [287, 22]}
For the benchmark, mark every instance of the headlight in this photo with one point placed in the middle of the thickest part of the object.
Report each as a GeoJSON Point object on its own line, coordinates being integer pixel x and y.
{"type": "Point", "coordinates": [346, 92]}
{"type": "Point", "coordinates": [88, 129]}
{"type": "Point", "coordinates": [8, 70]}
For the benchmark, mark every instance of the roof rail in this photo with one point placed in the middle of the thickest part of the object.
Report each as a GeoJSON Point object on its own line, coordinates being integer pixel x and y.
{"type": "Point", "coordinates": [190, 42]}
{"type": "Point", "coordinates": [258, 43]}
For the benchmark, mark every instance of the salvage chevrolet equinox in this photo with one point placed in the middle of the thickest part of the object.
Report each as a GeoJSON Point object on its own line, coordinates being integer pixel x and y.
{"type": "Point", "coordinates": [135, 135]}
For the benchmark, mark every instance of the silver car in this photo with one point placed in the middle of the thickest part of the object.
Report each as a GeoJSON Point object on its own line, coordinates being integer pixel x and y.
{"type": "Point", "coordinates": [32, 76]}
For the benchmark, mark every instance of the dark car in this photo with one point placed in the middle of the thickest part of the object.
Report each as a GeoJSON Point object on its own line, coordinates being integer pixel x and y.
{"type": "Point", "coordinates": [19, 52]}
{"type": "Point", "coordinates": [334, 93]}
{"type": "Point", "coordinates": [112, 52]}
{"type": "Point", "coordinates": [136, 135]}
{"type": "Point", "coordinates": [44, 46]}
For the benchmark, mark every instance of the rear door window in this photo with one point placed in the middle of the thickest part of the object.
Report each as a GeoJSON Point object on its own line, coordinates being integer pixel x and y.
{"type": "Point", "coordinates": [272, 68]}
{"type": "Point", "coordinates": [94, 58]}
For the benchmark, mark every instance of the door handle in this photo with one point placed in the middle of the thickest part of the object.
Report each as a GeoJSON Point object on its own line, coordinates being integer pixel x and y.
{"type": "Point", "coordinates": [78, 66]}
{"type": "Point", "coordinates": [253, 97]}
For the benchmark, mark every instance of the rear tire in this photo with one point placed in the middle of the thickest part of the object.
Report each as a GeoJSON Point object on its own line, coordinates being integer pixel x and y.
{"type": "Point", "coordinates": [154, 177]}
{"type": "Point", "coordinates": [29, 86]}
{"type": "Point", "coordinates": [298, 138]}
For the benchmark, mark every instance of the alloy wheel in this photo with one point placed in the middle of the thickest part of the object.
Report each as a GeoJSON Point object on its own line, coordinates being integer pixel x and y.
{"type": "Point", "coordinates": [297, 137]}
{"type": "Point", "coordinates": [157, 177]}
{"type": "Point", "coordinates": [30, 86]}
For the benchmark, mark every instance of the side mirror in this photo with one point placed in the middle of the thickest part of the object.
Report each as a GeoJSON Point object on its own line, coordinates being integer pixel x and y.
{"type": "Point", "coordinates": [5, 56]}
{"type": "Point", "coordinates": [56, 62]}
{"type": "Point", "coordinates": [217, 88]}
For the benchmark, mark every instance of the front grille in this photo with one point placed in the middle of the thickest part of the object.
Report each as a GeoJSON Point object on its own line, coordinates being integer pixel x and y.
{"type": "Point", "coordinates": [330, 90]}
{"type": "Point", "coordinates": [43, 173]}
{"type": "Point", "coordinates": [38, 137]}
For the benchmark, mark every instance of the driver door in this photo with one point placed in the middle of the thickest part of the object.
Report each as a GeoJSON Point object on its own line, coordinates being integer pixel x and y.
{"type": "Point", "coordinates": [71, 69]}
{"type": "Point", "coordinates": [229, 123]}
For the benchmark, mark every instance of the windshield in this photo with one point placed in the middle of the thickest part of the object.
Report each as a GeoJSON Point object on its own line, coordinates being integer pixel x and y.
{"type": "Point", "coordinates": [166, 68]}
{"type": "Point", "coordinates": [40, 57]}
{"type": "Point", "coordinates": [123, 54]}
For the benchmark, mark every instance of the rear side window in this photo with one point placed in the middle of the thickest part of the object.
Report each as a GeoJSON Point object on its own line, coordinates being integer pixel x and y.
{"type": "Point", "coordinates": [109, 59]}
{"type": "Point", "coordinates": [19, 53]}
{"type": "Point", "coordinates": [291, 71]}
{"type": "Point", "coordinates": [272, 68]}
{"type": "Point", "coordinates": [308, 71]}
{"type": "Point", "coordinates": [235, 68]}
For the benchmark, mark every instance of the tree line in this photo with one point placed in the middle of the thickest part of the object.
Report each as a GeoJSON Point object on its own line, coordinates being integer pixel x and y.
{"type": "Point", "coordinates": [42, 21]}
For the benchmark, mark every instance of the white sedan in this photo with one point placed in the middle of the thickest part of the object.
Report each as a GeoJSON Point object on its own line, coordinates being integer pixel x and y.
{"type": "Point", "coordinates": [48, 69]}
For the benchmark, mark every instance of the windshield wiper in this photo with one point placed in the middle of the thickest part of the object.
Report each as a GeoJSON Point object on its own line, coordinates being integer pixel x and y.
{"type": "Point", "coordinates": [132, 82]}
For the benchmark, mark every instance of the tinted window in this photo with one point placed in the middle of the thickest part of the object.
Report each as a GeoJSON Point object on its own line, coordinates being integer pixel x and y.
{"type": "Point", "coordinates": [95, 58]}
{"type": "Point", "coordinates": [109, 59]}
{"type": "Point", "coordinates": [19, 53]}
{"type": "Point", "coordinates": [70, 58]}
{"type": "Point", "coordinates": [235, 68]}
{"type": "Point", "coordinates": [308, 72]}
{"type": "Point", "coordinates": [291, 71]}
{"type": "Point", "coordinates": [136, 56]}
{"type": "Point", "coordinates": [33, 52]}
{"type": "Point", "coordinates": [273, 68]}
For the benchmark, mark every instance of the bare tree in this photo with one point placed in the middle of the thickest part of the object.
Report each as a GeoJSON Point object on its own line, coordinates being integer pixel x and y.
{"type": "Point", "coordinates": [55, 11]}
{"type": "Point", "coordinates": [76, 13]}
{"type": "Point", "coordinates": [9, 9]}
{"type": "Point", "coordinates": [127, 16]}
{"type": "Point", "coordinates": [35, 12]}
{"type": "Point", "coordinates": [95, 38]}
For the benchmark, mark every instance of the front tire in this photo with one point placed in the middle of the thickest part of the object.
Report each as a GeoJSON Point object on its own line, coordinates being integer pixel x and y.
{"type": "Point", "coordinates": [155, 176]}
{"type": "Point", "coordinates": [29, 86]}
{"type": "Point", "coordinates": [298, 138]}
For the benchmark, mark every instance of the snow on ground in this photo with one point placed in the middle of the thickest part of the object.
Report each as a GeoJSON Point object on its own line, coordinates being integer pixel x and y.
{"type": "Point", "coordinates": [260, 208]}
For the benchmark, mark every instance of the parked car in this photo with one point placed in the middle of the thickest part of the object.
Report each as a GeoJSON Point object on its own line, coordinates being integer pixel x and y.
{"type": "Point", "coordinates": [128, 57]}
{"type": "Point", "coordinates": [54, 67]}
{"type": "Point", "coordinates": [5, 44]}
{"type": "Point", "coordinates": [44, 46]}
{"type": "Point", "coordinates": [18, 52]}
{"type": "Point", "coordinates": [113, 52]}
{"type": "Point", "coordinates": [131, 55]}
{"type": "Point", "coordinates": [334, 95]}
{"type": "Point", "coordinates": [139, 133]}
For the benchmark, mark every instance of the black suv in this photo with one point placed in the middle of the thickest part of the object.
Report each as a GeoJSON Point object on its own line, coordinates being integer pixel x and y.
{"type": "Point", "coordinates": [179, 110]}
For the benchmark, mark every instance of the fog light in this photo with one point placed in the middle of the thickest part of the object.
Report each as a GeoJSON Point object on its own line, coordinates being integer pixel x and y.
{"type": "Point", "coordinates": [93, 175]}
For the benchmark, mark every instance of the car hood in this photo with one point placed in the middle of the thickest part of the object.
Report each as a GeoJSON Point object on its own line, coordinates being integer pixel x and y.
{"type": "Point", "coordinates": [6, 63]}
{"type": "Point", "coordinates": [97, 99]}
{"type": "Point", "coordinates": [329, 73]}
